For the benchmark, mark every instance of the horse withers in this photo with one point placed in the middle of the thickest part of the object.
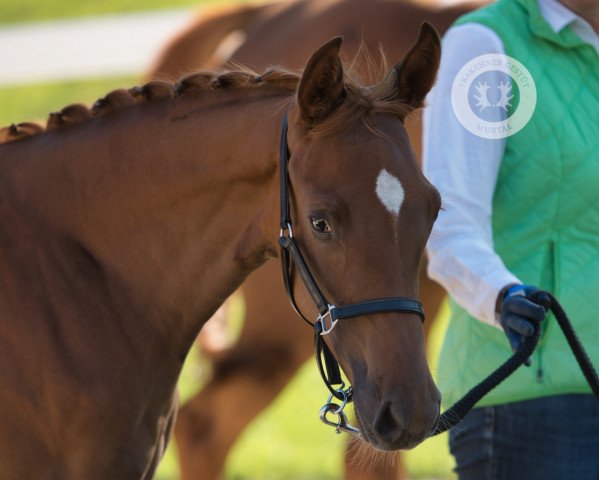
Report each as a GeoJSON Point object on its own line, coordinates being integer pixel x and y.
{"type": "Point", "coordinates": [123, 233]}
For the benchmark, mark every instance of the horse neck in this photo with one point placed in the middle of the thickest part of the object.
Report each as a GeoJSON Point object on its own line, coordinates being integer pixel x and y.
{"type": "Point", "coordinates": [170, 205]}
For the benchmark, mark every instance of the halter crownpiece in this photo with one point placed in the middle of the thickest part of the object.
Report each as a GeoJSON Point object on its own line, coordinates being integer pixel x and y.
{"type": "Point", "coordinates": [328, 313]}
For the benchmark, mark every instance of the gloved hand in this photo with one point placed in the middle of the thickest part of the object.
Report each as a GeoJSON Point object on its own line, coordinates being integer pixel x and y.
{"type": "Point", "coordinates": [518, 314]}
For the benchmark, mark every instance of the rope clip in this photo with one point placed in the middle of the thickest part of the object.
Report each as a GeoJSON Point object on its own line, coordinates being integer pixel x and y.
{"type": "Point", "coordinates": [342, 424]}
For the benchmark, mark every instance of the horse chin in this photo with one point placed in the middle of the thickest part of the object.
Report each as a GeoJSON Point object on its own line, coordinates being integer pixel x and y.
{"type": "Point", "coordinates": [404, 441]}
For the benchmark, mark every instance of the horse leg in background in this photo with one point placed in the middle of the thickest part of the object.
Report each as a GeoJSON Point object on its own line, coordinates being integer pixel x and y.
{"type": "Point", "coordinates": [246, 378]}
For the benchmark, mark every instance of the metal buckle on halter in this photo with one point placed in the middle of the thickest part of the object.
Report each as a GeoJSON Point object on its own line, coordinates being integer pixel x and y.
{"type": "Point", "coordinates": [288, 229]}
{"type": "Point", "coordinates": [323, 324]}
{"type": "Point", "coordinates": [342, 424]}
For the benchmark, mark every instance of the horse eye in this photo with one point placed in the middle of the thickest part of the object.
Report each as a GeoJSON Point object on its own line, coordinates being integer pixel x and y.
{"type": "Point", "coordinates": [320, 225]}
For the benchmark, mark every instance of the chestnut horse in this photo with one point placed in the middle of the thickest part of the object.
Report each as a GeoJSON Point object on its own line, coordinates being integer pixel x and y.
{"type": "Point", "coordinates": [249, 374]}
{"type": "Point", "coordinates": [123, 233]}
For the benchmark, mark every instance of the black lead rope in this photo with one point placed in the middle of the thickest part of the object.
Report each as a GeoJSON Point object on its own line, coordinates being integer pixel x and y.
{"type": "Point", "coordinates": [458, 411]}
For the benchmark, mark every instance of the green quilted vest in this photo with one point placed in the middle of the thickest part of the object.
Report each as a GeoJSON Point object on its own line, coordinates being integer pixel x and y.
{"type": "Point", "coordinates": [545, 213]}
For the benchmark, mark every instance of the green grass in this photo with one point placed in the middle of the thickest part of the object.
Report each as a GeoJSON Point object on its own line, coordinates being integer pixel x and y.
{"type": "Point", "coordinates": [13, 11]}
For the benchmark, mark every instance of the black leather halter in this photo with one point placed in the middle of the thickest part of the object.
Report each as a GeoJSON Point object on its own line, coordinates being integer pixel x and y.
{"type": "Point", "coordinates": [329, 314]}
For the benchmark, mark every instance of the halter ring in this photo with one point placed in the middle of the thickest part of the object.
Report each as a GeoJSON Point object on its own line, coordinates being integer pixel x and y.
{"type": "Point", "coordinates": [343, 402]}
{"type": "Point", "coordinates": [288, 229]}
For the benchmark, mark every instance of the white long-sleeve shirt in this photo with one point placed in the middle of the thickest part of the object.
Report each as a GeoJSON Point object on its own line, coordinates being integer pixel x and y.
{"type": "Point", "coordinates": [464, 168]}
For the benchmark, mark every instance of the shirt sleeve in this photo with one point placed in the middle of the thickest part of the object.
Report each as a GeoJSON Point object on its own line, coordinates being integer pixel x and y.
{"type": "Point", "coordinates": [464, 168]}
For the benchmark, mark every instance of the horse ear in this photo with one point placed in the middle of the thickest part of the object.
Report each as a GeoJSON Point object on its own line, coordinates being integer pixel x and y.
{"type": "Point", "coordinates": [321, 89]}
{"type": "Point", "coordinates": [416, 74]}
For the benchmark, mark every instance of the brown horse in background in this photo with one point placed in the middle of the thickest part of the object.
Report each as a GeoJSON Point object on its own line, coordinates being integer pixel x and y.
{"type": "Point", "coordinates": [249, 374]}
{"type": "Point", "coordinates": [123, 232]}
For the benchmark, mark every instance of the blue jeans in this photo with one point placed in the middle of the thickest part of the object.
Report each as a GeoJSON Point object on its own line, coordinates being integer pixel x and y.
{"type": "Point", "coordinates": [552, 438]}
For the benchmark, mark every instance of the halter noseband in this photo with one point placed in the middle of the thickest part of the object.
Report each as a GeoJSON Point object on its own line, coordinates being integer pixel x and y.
{"type": "Point", "coordinates": [329, 314]}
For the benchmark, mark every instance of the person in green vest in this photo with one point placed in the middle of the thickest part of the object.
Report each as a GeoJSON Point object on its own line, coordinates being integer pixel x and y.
{"type": "Point", "coordinates": [511, 141]}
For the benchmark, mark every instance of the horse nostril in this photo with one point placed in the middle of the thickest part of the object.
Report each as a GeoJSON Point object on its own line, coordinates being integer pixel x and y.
{"type": "Point", "coordinates": [397, 429]}
{"type": "Point", "coordinates": [387, 425]}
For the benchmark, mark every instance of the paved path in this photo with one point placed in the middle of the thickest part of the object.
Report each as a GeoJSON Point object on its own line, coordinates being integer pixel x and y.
{"type": "Point", "coordinates": [84, 48]}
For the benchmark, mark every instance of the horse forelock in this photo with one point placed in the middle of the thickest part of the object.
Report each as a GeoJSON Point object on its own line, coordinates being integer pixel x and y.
{"type": "Point", "coordinates": [360, 106]}
{"type": "Point", "coordinates": [361, 100]}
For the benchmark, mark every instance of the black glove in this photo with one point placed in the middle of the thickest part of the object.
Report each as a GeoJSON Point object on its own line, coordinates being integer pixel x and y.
{"type": "Point", "coordinates": [518, 315]}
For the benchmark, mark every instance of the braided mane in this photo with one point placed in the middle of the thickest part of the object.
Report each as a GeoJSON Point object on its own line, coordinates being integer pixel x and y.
{"type": "Point", "coordinates": [360, 100]}
{"type": "Point", "coordinates": [123, 98]}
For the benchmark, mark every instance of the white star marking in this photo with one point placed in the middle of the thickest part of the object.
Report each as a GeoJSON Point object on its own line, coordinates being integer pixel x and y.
{"type": "Point", "coordinates": [389, 191]}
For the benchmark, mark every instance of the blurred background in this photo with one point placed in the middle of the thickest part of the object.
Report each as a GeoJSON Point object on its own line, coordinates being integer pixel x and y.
{"type": "Point", "coordinates": [57, 52]}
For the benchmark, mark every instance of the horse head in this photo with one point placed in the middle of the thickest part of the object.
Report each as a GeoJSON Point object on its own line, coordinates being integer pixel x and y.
{"type": "Point", "coordinates": [362, 214]}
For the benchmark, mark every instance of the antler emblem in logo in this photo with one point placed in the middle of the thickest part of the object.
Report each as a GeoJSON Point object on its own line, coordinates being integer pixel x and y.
{"type": "Point", "coordinates": [504, 101]}
{"type": "Point", "coordinates": [483, 99]}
